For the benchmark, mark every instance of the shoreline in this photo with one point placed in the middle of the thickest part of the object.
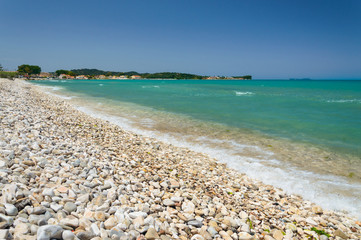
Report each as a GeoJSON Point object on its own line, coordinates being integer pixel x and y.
{"type": "Point", "coordinates": [136, 185]}
{"type": "Point", "coordinates": [312, 172]}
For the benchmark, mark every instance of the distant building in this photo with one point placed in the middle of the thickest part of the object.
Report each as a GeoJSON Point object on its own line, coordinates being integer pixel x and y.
{"type": "Point", "coordinates": [214, 77]}
{"type": "Point", "coordinates": [100, 77]}
{"type": "Point", "coordinates": [66, 76]}
{"type": "Point", "coordinates": [136, 77]}
{"type": "Point", "coordinates": [81, 77]}
{"type": "Point", "coordinates": [45, 75]}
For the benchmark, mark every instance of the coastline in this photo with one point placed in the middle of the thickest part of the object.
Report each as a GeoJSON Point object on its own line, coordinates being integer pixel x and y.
{"type": "Point", "coordinates": [136, 185]}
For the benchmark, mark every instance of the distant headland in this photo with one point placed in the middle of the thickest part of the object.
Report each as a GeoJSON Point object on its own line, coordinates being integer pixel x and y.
{"type": "Point", "coordinates": [34, 72]}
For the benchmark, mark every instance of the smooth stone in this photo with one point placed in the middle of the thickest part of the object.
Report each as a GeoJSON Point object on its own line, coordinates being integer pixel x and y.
{"type": "Point", "coordinates": [311, 221]}
{"type": "Point", "coordinates": [83, 198]}
{"type": "Point", "coordinates": [76, 163]}
{"type": "Point", "coordinates": [291, 227]}
{"type": "Point", "coordinates": [11, 210]}
{"type": "Point", "coordinates": [110, 222]}
{"type": "Point", "coordinates": [278, 235]}
{"type": "Point", "coordinates": [38, 210]}
{"type": "Point", "coordinates": [340, 234]}
{"type": "Point", "coordinates": [2, 164]}
{"type": "Point", "coordinates": [151, 234]}
{"type": "Point", "coordinates": [197, 237]}
{"type": "Point", "coordinates": [268, 237]}
{"type": "Point", "coordinates": [48, 192]}
{"type": "Point", "coordinates": [7, 219]}
{"type": "Point", "coordinates": [244, 236]}
{"type": "Point", "coordinates": [317, 209]}
{"type": "Point", "coordinates": [176, 199]}
{"type": "Point", "coordinates": [34, 229]}
{"type": "Point", "coordinates": [70, 207]}
{"type": "Point", "coordinates": [133, 234]}
{"type": "Point", "coordinates": [323, 237]}
{"type": "Point", "coordinates": [99, 216]}
{"type": "Point", "coordinates": [134, 215]}
{"type": "Point", "coordinates": [4, 225]}
{"type": "Point", "coordinates": [86, 235]}
{"type": "Point", "coordinates": [21, 228]}
{"type": "Point", "coordinates": [5, 234]}
{"type": "Point", "coordinates": [113, 234]}
{"type": "Point", "coordinates": [70, 221]}
{"type": "Point", "coordinates": [48, 232]}
{"type": "Point", "coordinates": [94, 228]}
{"type": "Point", "coordinates": [195, 223]}
{"type": "Point", "coordinates": [42, 222]}
{"type": "Point", "coordinates": [188, 207]}
{"type": "Point", "coordinates": [34, 219]}
{"type": "Point", "coordinates": [168, 202]}
{"type": "Point", "coordinates": [56, 207]}
{"type": "Point", "coordinates": [212, 231]}
{"type": "Point", "coordinates": [9, 193]}
{"type": "Point", "coordinates": [68, 235]}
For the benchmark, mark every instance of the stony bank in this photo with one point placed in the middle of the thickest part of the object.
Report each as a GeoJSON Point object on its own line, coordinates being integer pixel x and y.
{"type": "Point", "coordinates": [66, 175]}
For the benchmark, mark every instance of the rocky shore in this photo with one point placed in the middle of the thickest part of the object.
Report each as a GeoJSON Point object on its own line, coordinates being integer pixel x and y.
{"type": "Point", "coordinates": [66, 175]}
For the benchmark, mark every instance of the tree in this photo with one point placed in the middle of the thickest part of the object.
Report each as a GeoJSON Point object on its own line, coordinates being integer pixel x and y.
{"type": "Point", "coordinates": [1, 68]}
{"type": "Point", "coordinates": [62, 71]}
{"type": "Point", "coordinates": [29, 69]}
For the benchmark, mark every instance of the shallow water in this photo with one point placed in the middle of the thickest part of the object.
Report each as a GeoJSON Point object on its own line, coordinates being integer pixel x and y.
{"type": "Point", "coordinates": [303, 136]}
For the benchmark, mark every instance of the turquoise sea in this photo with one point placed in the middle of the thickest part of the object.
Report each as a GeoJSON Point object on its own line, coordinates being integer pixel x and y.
{"type": "Point", "coordinates": [302, 136]}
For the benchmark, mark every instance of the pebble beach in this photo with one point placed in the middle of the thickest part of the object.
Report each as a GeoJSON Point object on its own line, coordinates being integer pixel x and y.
{"type": "Point", "coordinates": [67, 175]}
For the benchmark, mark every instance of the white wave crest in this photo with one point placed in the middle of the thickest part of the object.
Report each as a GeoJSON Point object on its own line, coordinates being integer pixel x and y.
{"type": "Point", "coordinates": [345, 101]}
{"type": "Point", "coordinates": [238, 93]}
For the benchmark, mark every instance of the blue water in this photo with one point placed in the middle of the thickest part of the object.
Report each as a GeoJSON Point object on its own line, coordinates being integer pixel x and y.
{"type": "Point", "coordinates": [303, 136]}
{"type": "Point", "coordinates": [326, 113]}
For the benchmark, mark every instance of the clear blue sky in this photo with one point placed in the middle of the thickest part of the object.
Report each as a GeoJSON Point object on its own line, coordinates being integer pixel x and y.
{"type": "Point", "coordinates": [265, 38]}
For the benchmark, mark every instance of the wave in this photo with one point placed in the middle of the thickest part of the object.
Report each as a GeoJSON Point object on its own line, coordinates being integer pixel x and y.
{"type": "Point", "coordinates": [238, 93]}
{"type": "Point", "coordinates": [345, 101]}
{"type": "Point", "coordinates": [101, 84]}
{"type": "Point", "coordinates": [52, 88]}
{"type": "Point", "coordinates": [155, 86]}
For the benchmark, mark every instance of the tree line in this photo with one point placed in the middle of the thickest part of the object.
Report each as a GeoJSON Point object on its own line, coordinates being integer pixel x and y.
{"type": "Point", "coordinates": [25, 69]}
{"type": "Point", "coordinates": [160, 75]}
{"type": "Point", "coordinates": [30, 70]}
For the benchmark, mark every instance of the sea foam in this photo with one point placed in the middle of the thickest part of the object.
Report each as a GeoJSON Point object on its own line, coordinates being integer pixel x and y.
{"type": "Point", "coordinates": [320, 189]}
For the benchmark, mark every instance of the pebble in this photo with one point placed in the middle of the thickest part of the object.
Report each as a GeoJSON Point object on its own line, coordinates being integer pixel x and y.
{"type": "Point", "coordinates": [39, 210]}
{"type": "Point", "coordinates": [56, 207]}
{"type": "Point", "coordinates": [11, 210]}
{"type": "Point", "coordinates": [340, 234]}
{"type": "Point", "coordinates": [70, 207]}
{"type": "Point", "coordinates": [245, 236]}
{"type": "Point", "coordinates": [137, 214]}
{"type": "Point", "coordinates": [86, 235]}
{"type": "Point", "coordinates": [195, 223]}
{"type": "Point", "coordinates": [278, 235]}
{"type": "Point", "coordinates": [168, 202]}
{"type": "Point", "coordinates": [151, 234]}
{"type": "Point", "coordinates": [5, 234]}
{"type": "Point", "coordinates": [48, 192]}
{"type": "Point", "coordinates": [49, 232]}
{"type": "Point", "coordinates": [68, 235]}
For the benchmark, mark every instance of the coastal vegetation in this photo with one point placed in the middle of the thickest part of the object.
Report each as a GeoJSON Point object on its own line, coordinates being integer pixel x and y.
{"type": "Point", "coordinates": [246, 77]}
{"type": "Point", "coordinates": [70, 73]}
{"type": "Point", "coordinates": [34, 72]}
{"type": "Point", "coordinates": [96, 73]}
{"type": "Point", "coordinates": [6, 74]}
{"type": "Point", "coordinates": [29, 69]}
